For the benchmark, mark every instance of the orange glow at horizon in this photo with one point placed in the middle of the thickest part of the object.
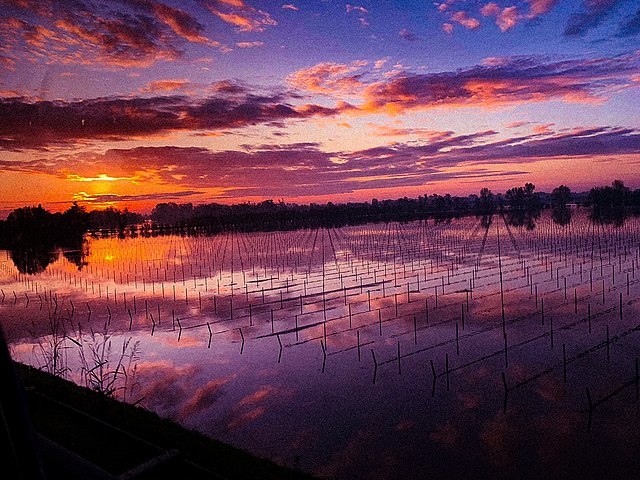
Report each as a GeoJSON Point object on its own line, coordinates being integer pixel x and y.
{"type": "Point", "coordinates": [104, 190]}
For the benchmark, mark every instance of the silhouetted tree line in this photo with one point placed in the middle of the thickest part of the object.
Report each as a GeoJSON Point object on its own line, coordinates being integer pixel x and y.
{"type": "Point", "coordinates": [113, 220]}
{"type": "Point", "coordinates": [34, 236]}
{"type": "Point", "coordinates": [270, 215]}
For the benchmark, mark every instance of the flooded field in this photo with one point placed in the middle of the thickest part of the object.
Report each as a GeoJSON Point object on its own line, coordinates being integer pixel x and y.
{"type": "Point", "coordinates": [474, 348]}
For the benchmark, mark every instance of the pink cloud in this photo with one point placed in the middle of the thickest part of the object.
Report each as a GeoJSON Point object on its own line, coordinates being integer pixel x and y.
{"type": "Point", "coordinates": [507, 19]}
{"type": "Point", "coordinates": [245, 418]}
{"type": "Point", "coordinates": [517, 124]}
{"type": "Point", "coordinates": [540, 7]}
{"type": "Point", "coordinates": [490, 10]}
{"type": "Point", "coordinates": [250, 44]}
{"type": "Point", "coordinates": [356, 8]}
{"type": "Point", "coordinates": [258, 396]}
{"type": "Point", "coordinates": [465, 20]}
{"type": "Point", "coordinates": [203, 397]}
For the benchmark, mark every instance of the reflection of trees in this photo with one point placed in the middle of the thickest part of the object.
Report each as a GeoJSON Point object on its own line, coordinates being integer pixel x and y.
{"type": "Point", "coordinates": [609, 217]}
{"type": "Point", "coordinates": [523, 218]}
{"type": "Point", "coordinates": [486, 220]}
{"type": "Point", "coordinates": [32, 258]}
{"type": "Point", "coordinates": [561, 215]}
{"type": "Point", "coordinates": [78, 256]}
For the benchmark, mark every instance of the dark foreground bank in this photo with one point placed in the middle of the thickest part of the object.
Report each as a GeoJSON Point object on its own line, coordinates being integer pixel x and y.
{"type": "Point", "coordinates": [81, 432]}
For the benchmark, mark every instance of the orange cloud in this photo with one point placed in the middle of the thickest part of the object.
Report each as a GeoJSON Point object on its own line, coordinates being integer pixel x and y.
{"type": "Point", "coordinates": [244, 17]}
{"type": "Point", "coordinates": [330, 78]}
{"type": "Point", "coordinates": [182, 24]}
{"type": "Point", "coordinates": [543, 129]}
{"type": "Point", "coordinates": [164, 86]}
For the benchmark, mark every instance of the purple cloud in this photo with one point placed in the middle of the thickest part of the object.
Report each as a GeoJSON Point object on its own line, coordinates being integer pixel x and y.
{"type": "Point", "coordinates": [124, 33]}
{"type": "Point", "coordinates": [27, 124]}
{"type": "Point", "coordinates": [503, 81]}
{"type": "Point", "coordinates": [303, 169]}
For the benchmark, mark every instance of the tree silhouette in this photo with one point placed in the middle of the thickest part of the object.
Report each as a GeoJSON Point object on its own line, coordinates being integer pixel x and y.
{"type": "Point", "coordinates": [560, 196]}
{"type": "Point", "coordinates": [609, 204]}
{"type": "Point", "coordinates": [524, 206]}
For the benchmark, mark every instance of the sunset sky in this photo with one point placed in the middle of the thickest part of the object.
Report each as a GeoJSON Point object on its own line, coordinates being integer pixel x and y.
{"type": "Point", "coordinates": [134, 102]}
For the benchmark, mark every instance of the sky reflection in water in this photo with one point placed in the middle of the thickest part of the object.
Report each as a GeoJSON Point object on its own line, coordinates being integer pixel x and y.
{"type": "Point", "coordinates": [322, 399]}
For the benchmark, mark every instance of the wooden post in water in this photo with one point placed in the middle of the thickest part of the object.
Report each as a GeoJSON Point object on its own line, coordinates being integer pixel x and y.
{"type": "Point", "coordinates": [433, 384]}
{"type": "Point", "coordinates": [426, 310]}
{"type": "Point", "coordinates": [506, 391]}
{"type": "Point", "coordinates": [446, 364]}
{"type": "Point", "coordinates": [564, 362]}
{"type": "Point", "coordinates": [620, 305]}
{"type": "Point", "coordinates": [506, 350]}
{"type": "Point", "coordinates": [589, 406]}
{"type": "Point", "coordinates": [637, 379]}
{"type": "Point", "coordinates": [375, 365]}
{"type": "Point", "coordinates": [279, 343]}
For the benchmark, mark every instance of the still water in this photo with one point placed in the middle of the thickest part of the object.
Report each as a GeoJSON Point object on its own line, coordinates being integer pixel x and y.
{"type": "Point", "coordinates": [478, 348]}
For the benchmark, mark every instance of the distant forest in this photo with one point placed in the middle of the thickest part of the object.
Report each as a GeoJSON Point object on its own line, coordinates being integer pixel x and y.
{"type": "Point", "coordinates": [30, 226]}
